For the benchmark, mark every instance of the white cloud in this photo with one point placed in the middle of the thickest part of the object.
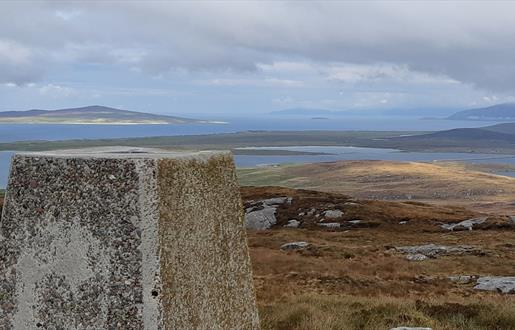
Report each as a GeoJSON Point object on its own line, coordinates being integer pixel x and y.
{"type": "Point", "coordinates": [56, 91]}
{"type": "Point", "coordinates": [258, 82]}
{"type": "Point", "coordinates": [354, 73]}
{"type": "Point", "coordinates": [67, 15]}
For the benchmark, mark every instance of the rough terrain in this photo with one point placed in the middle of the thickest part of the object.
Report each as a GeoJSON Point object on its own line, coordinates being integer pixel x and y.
{"type": "Point", "coordinates": [357, 276]}
{"type": "Point", "coordinates": [440, 183]}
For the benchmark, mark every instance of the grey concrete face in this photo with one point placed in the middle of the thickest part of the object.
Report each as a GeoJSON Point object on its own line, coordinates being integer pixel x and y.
{"type": "Point", "coordinates": [124, 238]}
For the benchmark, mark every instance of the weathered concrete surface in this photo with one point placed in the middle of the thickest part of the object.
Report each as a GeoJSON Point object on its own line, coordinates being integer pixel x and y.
{"type": "Point", "coordinates": [124, 238]}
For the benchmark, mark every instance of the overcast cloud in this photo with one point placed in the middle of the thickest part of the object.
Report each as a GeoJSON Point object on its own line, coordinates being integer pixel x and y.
{"type": "Point", "coordinates": [257, 55]}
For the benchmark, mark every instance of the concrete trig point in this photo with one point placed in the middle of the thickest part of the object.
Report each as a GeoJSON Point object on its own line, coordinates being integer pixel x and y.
{"type": "Point", "coordinates": [124, 238]}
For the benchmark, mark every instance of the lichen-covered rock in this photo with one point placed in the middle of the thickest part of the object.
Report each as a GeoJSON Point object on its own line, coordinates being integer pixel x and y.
{"type": "Point", "coordinates": [260, 215]}
{"type": "Point", "coordinates": [292, 223]}
{"type": "Point", "coordinates": [332, 225]}
{"type": "Point", "coordinates": [463, 279]}
{"type": "Point", "coordinates": [124, 238]}
{"type": "Point", "coordinates": [294, 246]}
{"type": "Point", "coordinates": [416, 257]}
{"type": "Point", "coordinates": [333, 214]}
{"type": "Point", "coordinates": [464, 225]}
{"type": "Point", "coordinates": [261, 219]}
{"type": "Point", "coordinates": [433, 250]}
{"type": "Point", "coordinates": [496, 283]}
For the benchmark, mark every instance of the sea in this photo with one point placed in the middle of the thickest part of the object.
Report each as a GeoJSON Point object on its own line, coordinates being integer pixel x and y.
{"type": "Point", "coordinates": [50, 132]}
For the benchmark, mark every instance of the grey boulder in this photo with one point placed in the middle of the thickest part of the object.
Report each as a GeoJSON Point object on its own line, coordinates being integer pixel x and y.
{"type": "Point", "coordinates": [416, 257]}
{"type": "Point", "coordinates": [464, 225]}
{"type": "Point", "coordinates": [329, 224]}
{"type": "Point", "coordinates": [294, 246]}
{"type": "Point", "coordinates": [293, 223]}
{"type": "Point", "coordinates": [433, 250]}
{"type": "Point", "coordinates": [261, 214]}
{"type": "Point", "coordinates": [496, 283]}
{"type": "Point", "coordinates": [261, 219]}
{"type": "Point", "coordinates": [333, 214]}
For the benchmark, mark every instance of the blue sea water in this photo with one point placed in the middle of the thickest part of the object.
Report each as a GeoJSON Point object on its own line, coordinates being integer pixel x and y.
{"type": "Point", "coordinates": [25, 132]}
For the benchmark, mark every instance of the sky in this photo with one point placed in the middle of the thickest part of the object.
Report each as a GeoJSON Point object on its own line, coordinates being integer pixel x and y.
{"type": "Point", "coordinates": [239, 58]}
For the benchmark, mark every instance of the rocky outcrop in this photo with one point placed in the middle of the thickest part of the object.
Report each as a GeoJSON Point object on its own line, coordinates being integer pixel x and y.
{"type": "Point", "coordinates": [434, 251]}
{"type": "Point", "coordinates": [261, 214]}
{"type": "Point", "coordinates": [261, 219]}
{"type": "Point", "coordinates": [464, 225]}
{"type": "Point", "coordinates": [294, 246]}
{"type": "Point", "coordinates": [331, 225]}
{"type": "Point", "coordinates": [462, 279]}
{"type": "Point", "coordinates": [293, 223]}
{"type": "Point", "coordinates": [496, 283]}
{"type": "Point", "coordinates": [333, 214]}
{"type": "Point", "coordinates": [416, 257]}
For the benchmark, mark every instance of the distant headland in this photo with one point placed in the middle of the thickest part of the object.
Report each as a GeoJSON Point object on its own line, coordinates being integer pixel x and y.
{"type": "Point", "coordinates": [93, 115]}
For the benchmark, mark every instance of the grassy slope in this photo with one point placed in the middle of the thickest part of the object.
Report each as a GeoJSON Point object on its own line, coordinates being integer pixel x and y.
{"type": "Point", "coordinates": [431, 182]}
{"type": "Point", "coordinates": [350, 279]}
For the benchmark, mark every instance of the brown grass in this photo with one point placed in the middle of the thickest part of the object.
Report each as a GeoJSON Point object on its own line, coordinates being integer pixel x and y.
{"type": "Point", "coordinates": [352, 279]}
{"type": "Point", "coordinates": [447, 183]}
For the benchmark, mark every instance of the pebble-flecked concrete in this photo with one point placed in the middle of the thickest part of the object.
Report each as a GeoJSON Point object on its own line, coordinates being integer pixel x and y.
{"type": "Point", "coordinates": [124, 238]}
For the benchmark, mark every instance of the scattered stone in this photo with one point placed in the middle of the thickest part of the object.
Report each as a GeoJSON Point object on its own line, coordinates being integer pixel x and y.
{"type": "Point", "coordinates": [330, 224]}
{"type": "Point", "coordinates": [512, 218]}
{"type": "Point", "coordinates": [301, 214]}
{"type": "Point", "coordinates": [293, 223]}
{"type": "Point", "coordinates": [410, 328]}
{"type": "Point", "coordinates": [464, 225]}
{"type": "Point", "coordinates": [350, 204]}
{"type": "Point", "coordinates": [311, 211]}
{"type": "Point", "coordinates": [416, 257]}
{"type": "Point", "coordinates": [464, 279]}
{"type": "Point", "coordinates": [403, 222]}
{"type": "Point", "coordinates": [355, 222]}
{"type": "Point", "coordinates": [433, 250]}
{"type": "Point", "coordinates": [333, 214]}
{"type": "Point", "coordinates": [294, 246]}
{"type": "Point", "coordinates": [496, 283]}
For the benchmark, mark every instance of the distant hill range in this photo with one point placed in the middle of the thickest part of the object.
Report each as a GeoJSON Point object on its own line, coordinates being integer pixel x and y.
{"type": "Point", "coordinates": [499, 112]}
{"type": "Point", "coordinates": [94, 114]}
{"type": "Point", "coordinates": [497, 139]}
{"type": "Point", "coordinates": [412, 112]}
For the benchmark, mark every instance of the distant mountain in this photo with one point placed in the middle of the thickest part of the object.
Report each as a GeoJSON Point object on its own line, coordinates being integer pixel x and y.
{"type": "Point", "coordinates": [499, 112]}
{"type": "Point", "coordinates": [402, 112]}
{"type": "Point", "coordinates": [94, 114]}
{"type": "Point", "coordinates": [485, 139]}
{"type": "Point", "coordinates": [507, 128]}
